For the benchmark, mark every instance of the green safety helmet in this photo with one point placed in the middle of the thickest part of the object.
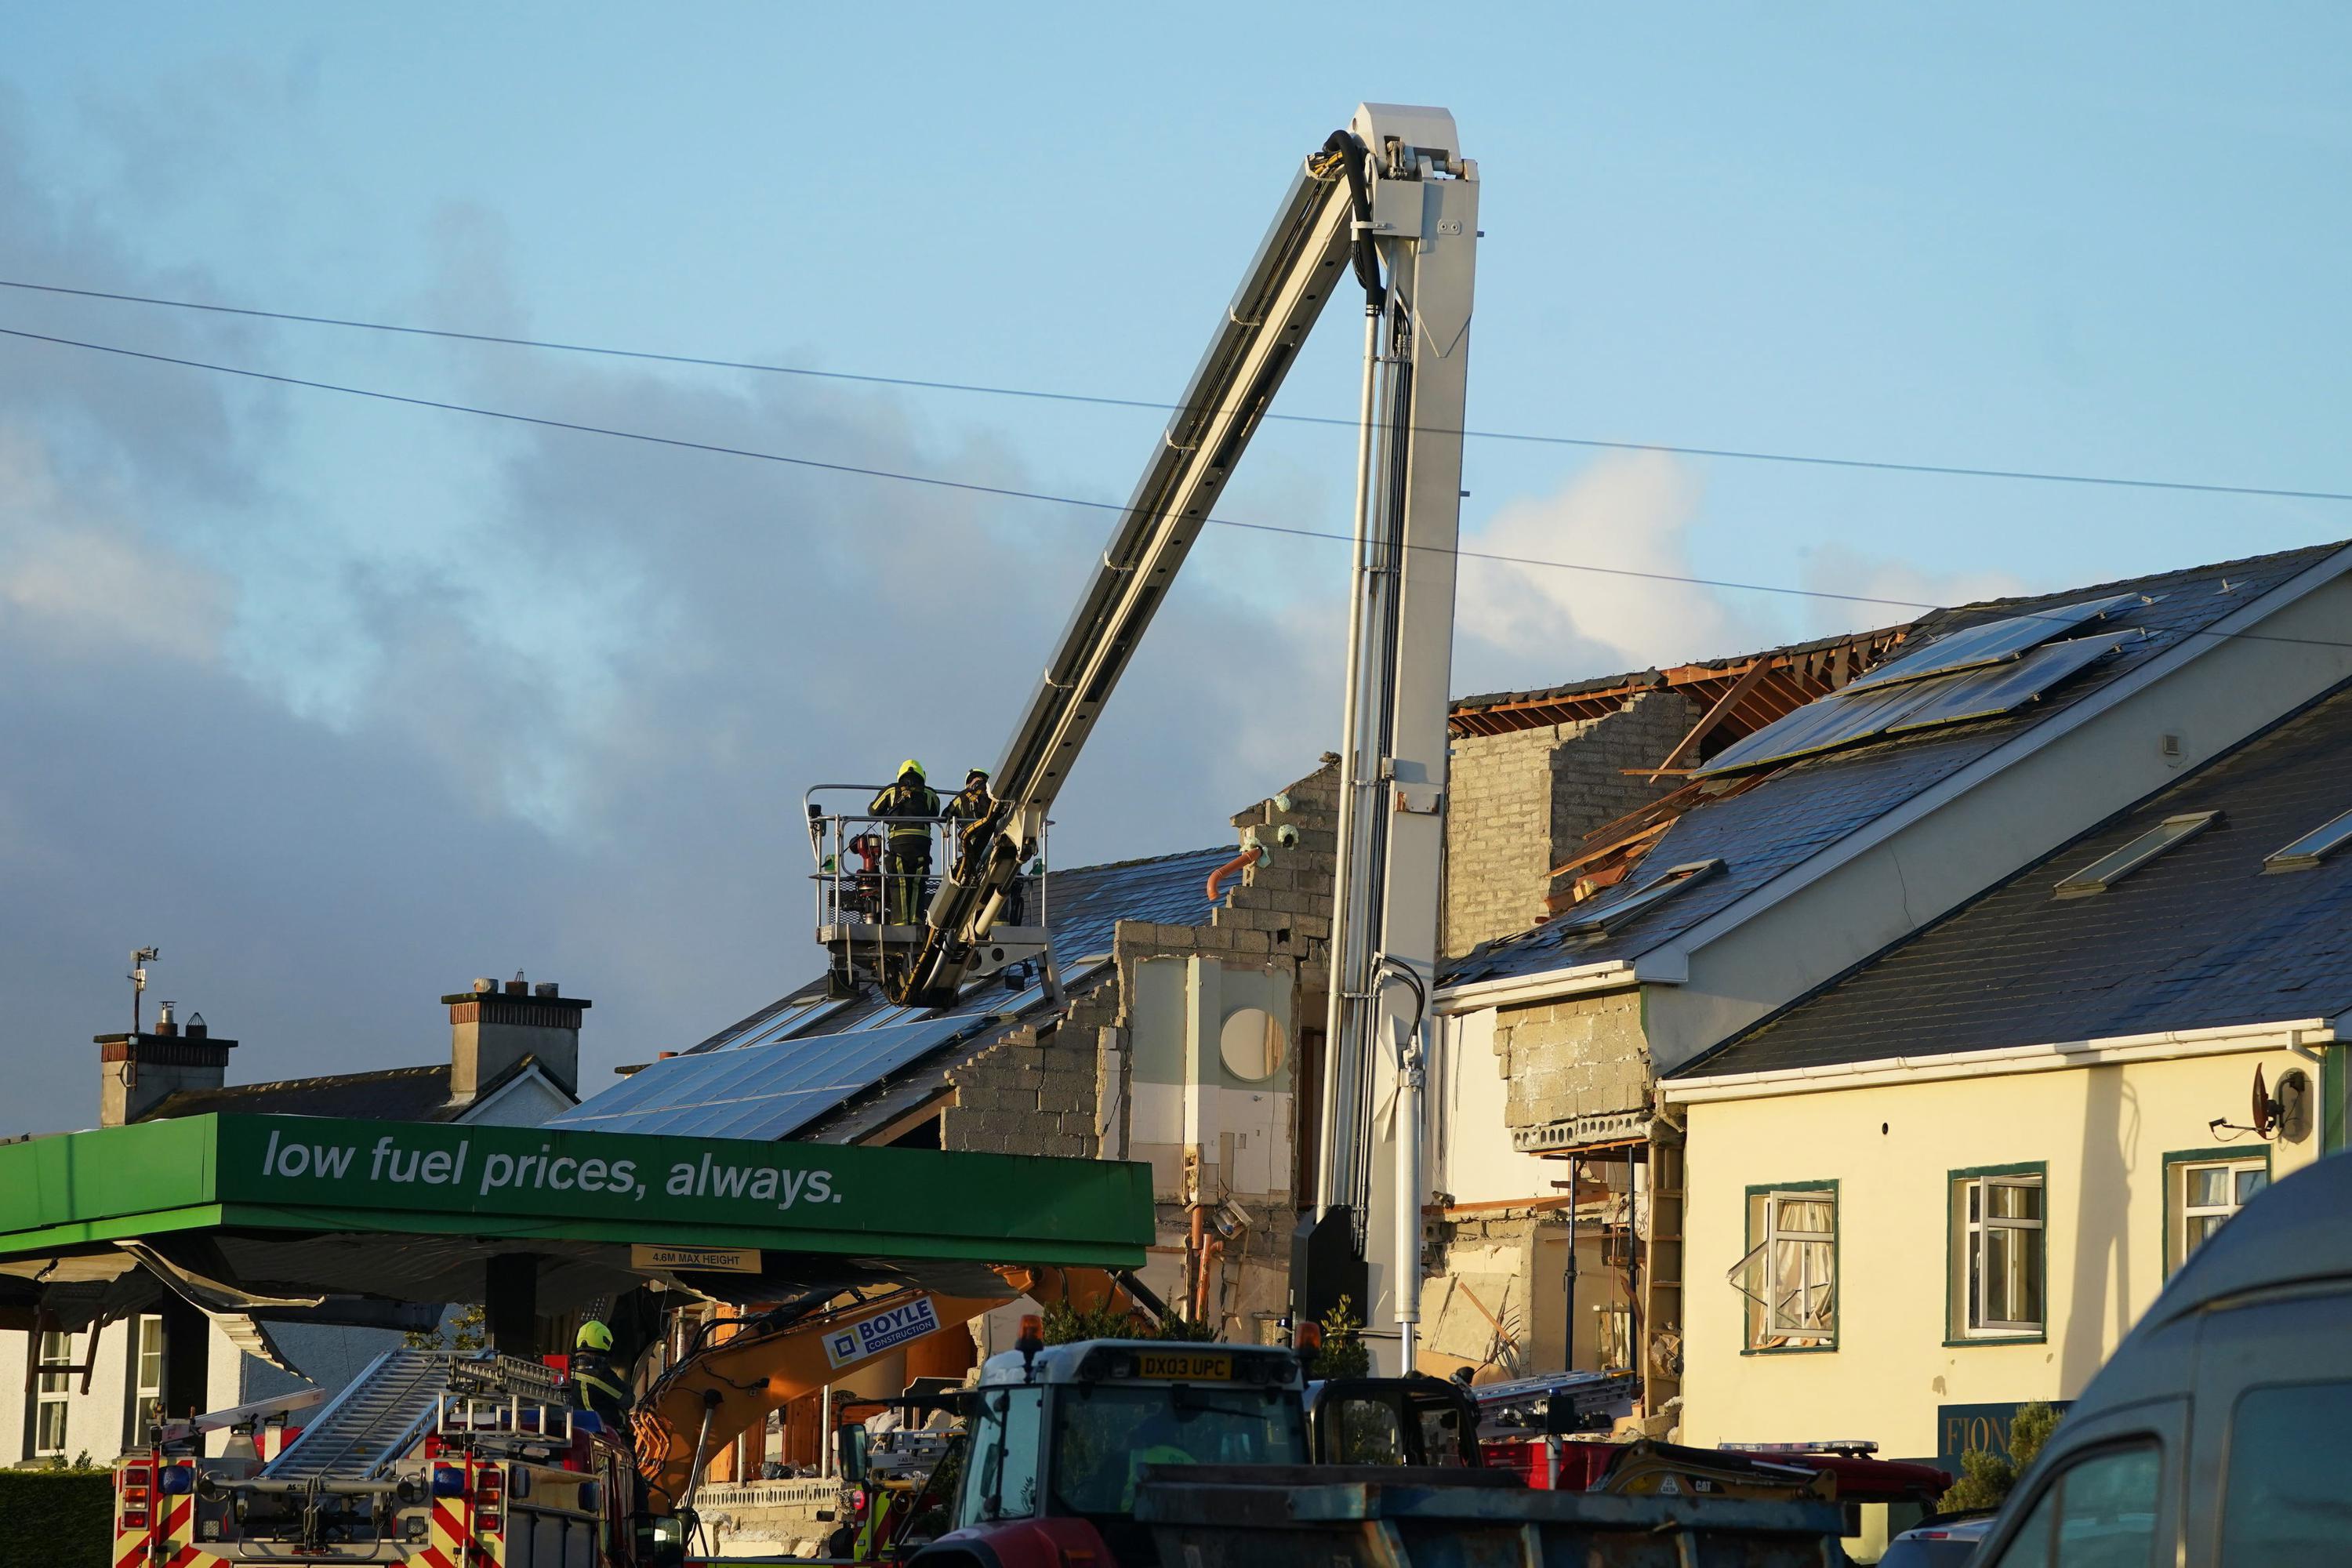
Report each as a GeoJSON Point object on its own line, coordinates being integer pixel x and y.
{"type": "Point", "coordinates": [595, 1336]}
{"type": "Point", "coordinates": [911, 766]}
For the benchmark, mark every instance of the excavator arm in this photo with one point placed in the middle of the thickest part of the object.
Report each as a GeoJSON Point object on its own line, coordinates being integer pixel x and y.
{"type": "Point", "coordinates": [718, 1391]}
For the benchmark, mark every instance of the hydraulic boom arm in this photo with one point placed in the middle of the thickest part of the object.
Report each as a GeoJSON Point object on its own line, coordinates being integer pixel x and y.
{"type": "Point", "coordinates": [1326, 217]}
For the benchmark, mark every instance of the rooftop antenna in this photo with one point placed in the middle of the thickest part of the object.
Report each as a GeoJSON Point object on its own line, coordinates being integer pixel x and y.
{"type": "Point", "coordinates": [140, 958]}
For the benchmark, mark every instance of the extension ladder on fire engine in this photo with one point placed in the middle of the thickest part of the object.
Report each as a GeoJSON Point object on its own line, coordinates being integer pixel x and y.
{"type": "Point", "coordinates": [373, 1422]}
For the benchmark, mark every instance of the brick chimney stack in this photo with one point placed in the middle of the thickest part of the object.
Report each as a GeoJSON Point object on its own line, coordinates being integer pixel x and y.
{"type": "Point", "coordinates": [492, 1027]}
{"type": "Point", "coordinates": [137, 1070]}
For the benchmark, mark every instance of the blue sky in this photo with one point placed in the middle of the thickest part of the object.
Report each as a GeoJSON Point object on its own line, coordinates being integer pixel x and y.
{"type": "Point", "coordinates": [2093, 238]}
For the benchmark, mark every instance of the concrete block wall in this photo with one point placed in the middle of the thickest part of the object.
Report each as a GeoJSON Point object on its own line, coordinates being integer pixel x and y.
{"type": "Point", "coordinates": [1520, 804]}
{"type": "Point", "coordinates": [1045, 1094]}
{"type": "Point", "coordinates": [1035, 1093]}
{"type": "Point", "coordinates": [1585, 1055]}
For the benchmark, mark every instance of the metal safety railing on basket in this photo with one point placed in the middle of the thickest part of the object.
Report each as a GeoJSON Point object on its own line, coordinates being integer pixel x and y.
{"type": "Point", "coordinates": [859, 885]}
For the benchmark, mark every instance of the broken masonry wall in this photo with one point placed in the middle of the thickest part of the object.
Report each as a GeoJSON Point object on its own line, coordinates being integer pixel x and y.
{"type": "Point", "coordinates": [1580, 1057]}
{"type": "Point", "coordinates": [1520, 804]}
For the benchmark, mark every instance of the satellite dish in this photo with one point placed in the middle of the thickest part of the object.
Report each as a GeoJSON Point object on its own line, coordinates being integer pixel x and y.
{"type": "Point", "coordinates": [2265, 1112]}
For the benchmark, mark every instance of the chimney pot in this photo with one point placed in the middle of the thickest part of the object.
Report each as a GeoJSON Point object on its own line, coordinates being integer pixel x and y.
{"type": "Point", "coordinates": [164, 1024]}
{"type": "Point", "coordinates": [515, 987]}
{"type": "Point", "coordinates": [484, 985]}
{"type": "Point", "coordinates": [546, 988]}
{"type": "Point", "coordinates": [197, 1028]}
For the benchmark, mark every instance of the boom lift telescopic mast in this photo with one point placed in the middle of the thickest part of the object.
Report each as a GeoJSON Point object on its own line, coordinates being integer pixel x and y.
{"type": "Point", "coordinates": [1391, 200]}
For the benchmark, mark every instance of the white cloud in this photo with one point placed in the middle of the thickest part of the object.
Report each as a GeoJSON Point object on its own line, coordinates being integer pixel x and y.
{"type": "Point", "coordinates": [1526, 625]}
{"type": "Point", "coordinates": [1841, 569]}
{"type": "Point", "coordinates": [73, 582]}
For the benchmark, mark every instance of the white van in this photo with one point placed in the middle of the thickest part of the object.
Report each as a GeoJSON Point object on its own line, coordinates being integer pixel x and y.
{"type": "Point", "coordinates": [2219, 1436]}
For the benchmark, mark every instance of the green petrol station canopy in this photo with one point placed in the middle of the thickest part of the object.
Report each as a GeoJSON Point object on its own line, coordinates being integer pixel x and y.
{"type": "Point", "coordinates": [409, 1211]}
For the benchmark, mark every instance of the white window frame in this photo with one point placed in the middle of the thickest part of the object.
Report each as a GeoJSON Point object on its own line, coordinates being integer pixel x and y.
{"type": "Point", "coordinates": [2178, 1211]}
{"type": "Point", "coordinates": [1768, 1326]}
{"type": "Point", "coordinates": [146, 1398]}
{"type": "Point", "coordinates": [53, 1388]}
{"type": "Point", "coordinates": [1972, 1276]}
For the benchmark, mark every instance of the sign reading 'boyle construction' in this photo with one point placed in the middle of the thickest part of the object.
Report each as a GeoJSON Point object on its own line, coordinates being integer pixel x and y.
{"type": "Point", "coordinates": [884, 1330]}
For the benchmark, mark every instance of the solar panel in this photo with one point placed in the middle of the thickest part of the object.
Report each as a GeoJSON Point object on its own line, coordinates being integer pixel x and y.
{"type": "Point", "coordinates": [760, 1091]}
{"type": "Point", "coordinates": [1989, 693]}
{"type": "Point", "coordinates": [1846, 718]}
{"type": "Point", "coordinates": [1994, 642]}
{"type": "Point", "coordinates": [1839, 719]}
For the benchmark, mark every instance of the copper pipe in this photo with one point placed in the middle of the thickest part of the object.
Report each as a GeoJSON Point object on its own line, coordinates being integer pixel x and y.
{"type": "Point", "coordinates": [1234, 866]}
{"type": "Point", "coordinates": [1207, 1283]}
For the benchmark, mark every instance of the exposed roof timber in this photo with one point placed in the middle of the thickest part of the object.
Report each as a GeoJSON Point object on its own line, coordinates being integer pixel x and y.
{"type": "Point", "coordinates": [1793, 677]}
{"type": "Point", "coordinates": [1724, 707]}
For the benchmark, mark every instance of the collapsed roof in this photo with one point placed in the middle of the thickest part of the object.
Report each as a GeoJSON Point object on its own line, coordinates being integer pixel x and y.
{"type": "Point", "coordinates": [1722, 836]}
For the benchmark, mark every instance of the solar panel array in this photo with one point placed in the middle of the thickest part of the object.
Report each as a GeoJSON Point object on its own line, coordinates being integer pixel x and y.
{"type": "Point", "coordinates": [1850, 716]}
{"type": "Point", "coordinates": [762, 1091]}
{"type": "Point", "coordinates": [1994, 642]}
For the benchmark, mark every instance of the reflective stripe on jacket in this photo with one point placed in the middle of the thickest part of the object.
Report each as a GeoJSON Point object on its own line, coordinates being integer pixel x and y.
{"type": "Point", "coordinates": [912, 809]}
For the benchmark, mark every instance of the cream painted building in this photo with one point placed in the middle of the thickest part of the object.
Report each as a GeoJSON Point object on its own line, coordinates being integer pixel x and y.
{"type": "Point", "coordinates": [1950, 1182]}
{"type": "Point", "coordinates": [1983, 1232]}
{"type": "Point", "coordinates": [1795, 854]}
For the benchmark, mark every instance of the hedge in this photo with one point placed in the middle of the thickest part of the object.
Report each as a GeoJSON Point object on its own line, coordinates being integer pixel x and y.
{"type": "Point", "coordinates": [67, 1517]}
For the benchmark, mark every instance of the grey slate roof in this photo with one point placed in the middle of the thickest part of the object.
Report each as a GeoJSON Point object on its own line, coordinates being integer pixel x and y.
{"type": "Point", "coordinates": [392, 1094]}
{"type": "Point", "coordinates": [1777, 825]}
{"type": "Point", "coordinates": [387, 1094]}
{"type": "Point", "coordinates": [2198, 937]}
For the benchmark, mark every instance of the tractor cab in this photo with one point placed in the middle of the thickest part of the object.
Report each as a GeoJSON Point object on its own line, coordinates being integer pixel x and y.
{"type": "Point", "coordinates": [1058, 1439]}
{"type": "Point", "coordinates": [1417, 1420]}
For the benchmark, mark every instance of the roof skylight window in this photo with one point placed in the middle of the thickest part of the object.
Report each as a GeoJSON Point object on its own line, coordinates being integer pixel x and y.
{"type": "Point", "coordinates": [2313, 848]}
{"type": "Point", "coordinates": [2108, 869]}
{"type": "Point", "coordinates": [1667, 883]}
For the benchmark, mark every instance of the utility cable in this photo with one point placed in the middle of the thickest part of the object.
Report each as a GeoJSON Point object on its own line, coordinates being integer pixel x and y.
{"type": "Point", "coordinates": [1009, 492]}
{"type": "Point", "coordinates": [933, 480]}
{"type": "Point", "coordinates": [1744, 455]}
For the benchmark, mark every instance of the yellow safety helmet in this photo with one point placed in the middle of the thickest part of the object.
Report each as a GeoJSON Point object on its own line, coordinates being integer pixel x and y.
{"type": "Point", "coordinates": [595, 1336]}
{"type": "Point", "coordinates": [971, 774]}
{"type": "Point", "coordinates": [911, 766]}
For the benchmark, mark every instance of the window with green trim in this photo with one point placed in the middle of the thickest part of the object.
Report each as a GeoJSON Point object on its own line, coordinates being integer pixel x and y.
{"type": "Point", "coordinates": [2000, 1251]}
{"type": "Point", "coordinates": [1790, 1273]}
{"type": "Point", "coordinates": [2202, 1195]}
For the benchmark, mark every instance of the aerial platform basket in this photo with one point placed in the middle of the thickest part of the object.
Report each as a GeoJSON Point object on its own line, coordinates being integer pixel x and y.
{"type": "Point", "coordinates": [863, 900]}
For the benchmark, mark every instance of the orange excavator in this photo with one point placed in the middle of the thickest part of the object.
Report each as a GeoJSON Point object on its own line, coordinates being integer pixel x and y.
{"type": "Point", "coordinates": [723, 1386]}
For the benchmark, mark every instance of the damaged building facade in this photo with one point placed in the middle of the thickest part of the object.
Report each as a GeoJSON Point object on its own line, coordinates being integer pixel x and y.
{"type": "Point", "coordinates": [1791, 856]}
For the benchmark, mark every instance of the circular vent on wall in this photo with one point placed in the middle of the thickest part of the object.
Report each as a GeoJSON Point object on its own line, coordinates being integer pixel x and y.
{"type": "Point", "coordinates": [1251, 1044]}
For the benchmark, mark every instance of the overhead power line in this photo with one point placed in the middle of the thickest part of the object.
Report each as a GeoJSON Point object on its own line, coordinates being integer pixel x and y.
{"type": "Point", "coordinates": [1006, 492]}
{"type": "Point", "coordinates": [935, 481]}
{"type": "Point", "coordinates": [1943, 470]}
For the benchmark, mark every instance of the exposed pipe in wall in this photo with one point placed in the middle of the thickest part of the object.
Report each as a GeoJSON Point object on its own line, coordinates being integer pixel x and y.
{"type": "Point", "coordinates": [1209, 1254]}
{"type": "Point", "coordinates": [1235, 867]}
